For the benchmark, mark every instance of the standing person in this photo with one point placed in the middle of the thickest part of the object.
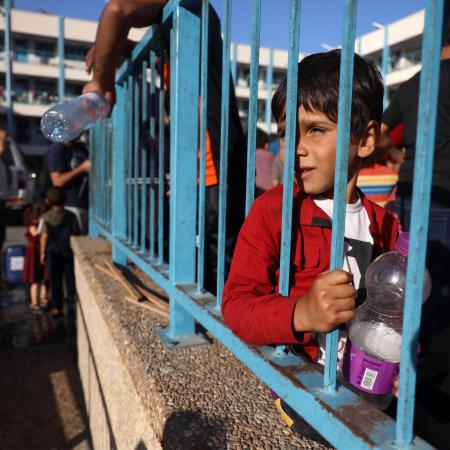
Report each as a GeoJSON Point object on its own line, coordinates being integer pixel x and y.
{"type": "Point", "coordinates": [68, 165]}
{"type": "Point", "coordinates": [319, 300]}
{"type": "Point", "coordinates": [264, 163]}
{"type": "Point", "coordinates": [404, 108]}
{"type": "Point", "coordinates": [58, 225]}
{"type": "Point", "coordinates": [116, 20]}
{"type": "Point", "coordinates": [34, 273]}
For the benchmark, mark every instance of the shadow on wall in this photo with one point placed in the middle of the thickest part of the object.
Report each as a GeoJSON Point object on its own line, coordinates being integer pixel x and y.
{"type": "Point", "coordinates": [189, 430]}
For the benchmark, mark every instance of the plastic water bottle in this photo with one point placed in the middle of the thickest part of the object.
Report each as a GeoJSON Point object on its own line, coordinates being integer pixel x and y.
{"type": "Point", "coordinates": [372, 355]}
{"type": "Point", "coordinates": [65, 121]}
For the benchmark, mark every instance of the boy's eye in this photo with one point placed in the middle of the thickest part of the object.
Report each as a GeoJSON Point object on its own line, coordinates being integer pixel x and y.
{"type": "Point", "coordinates": [317, 130]}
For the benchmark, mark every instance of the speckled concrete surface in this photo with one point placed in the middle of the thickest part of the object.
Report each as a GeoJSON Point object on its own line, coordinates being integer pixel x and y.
{"type": "Point", "coordinates": [197, 398]}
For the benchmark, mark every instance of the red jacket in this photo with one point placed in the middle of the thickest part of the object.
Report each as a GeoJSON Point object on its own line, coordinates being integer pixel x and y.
{"type": "Point", "coordinates": [252, 306]}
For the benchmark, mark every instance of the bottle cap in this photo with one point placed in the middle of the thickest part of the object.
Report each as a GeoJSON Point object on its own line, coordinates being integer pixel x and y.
{"type": "Point", "coordinates": [402, 245]}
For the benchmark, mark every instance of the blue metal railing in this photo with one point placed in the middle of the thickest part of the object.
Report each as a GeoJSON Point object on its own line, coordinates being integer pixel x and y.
{"type": "Point", "coordinates": [130, 197]}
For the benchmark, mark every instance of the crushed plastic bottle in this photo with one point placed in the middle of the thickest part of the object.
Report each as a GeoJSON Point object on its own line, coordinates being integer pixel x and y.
{"type": "Point", "coordinates": [372, 355]}
{"type": "Point", "coordinates": [66, 121]}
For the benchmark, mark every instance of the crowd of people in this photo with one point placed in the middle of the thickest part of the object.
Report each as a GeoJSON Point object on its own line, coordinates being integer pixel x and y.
{"type": "Point", "coordinates": [381, 153]}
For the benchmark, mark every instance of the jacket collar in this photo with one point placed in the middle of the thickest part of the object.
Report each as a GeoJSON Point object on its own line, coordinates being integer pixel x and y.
{"type": "Point", "coordinates": [311, 215]}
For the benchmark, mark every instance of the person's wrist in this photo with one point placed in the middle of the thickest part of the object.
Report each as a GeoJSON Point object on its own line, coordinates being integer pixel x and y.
{"type": "Point", "coordinates": [299, 322]}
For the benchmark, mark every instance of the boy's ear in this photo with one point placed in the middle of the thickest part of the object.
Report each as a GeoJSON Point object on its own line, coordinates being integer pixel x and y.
{"type": "Point", "coordinates": [369, 140]}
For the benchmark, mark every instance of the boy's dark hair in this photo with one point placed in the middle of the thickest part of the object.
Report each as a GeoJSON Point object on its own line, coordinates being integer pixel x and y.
{"type": "Point", "coordinates": [261, 138]}
{"type": "Point", "coordinates": [318, 90]}
{"type": "Point", "coordinates": [55, 196]}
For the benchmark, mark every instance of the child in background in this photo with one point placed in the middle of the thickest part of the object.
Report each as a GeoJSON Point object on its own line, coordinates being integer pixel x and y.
{"type": "Point", "coordinates": [34, 273]}
{"type": "Point", "coordinates": [319, 300]}
{"type": "Point", "coordinates": [58, 225]}
{"type": "Point", "coordinates": [379, 177]}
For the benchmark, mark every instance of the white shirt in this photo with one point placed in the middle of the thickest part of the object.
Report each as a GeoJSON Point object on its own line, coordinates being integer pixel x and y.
{"type": "Point", "coordinates": [358, 246]}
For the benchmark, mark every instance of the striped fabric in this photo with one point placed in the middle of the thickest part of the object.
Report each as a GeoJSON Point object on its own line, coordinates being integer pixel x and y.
{"type": "Point", "coordinates": [378, 183]}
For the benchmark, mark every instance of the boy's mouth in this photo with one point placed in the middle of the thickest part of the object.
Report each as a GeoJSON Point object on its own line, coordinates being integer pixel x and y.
{"type": "Point", "coordinates": [305, 172]}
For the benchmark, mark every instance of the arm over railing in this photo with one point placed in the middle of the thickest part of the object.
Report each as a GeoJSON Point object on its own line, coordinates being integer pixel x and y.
{"type": "Point", "coordinates": [132, 192]}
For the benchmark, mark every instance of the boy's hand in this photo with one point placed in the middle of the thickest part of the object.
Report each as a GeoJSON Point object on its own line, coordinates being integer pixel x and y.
{"type": "Point", "coordinates": [329, 302]}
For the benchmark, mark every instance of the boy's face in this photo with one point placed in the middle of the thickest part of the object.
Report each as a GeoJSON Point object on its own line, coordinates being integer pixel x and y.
{"type": "Point", "coordinates": [316, 153]}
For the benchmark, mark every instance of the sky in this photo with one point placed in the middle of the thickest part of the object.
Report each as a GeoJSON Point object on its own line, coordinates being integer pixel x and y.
{"type": "Point", "coordinates": [320, 19]}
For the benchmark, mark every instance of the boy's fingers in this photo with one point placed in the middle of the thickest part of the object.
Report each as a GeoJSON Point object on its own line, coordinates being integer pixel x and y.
{"type": "Point", "coordinates": [345, 316]}
{"type": "Point", "coordinates": [343, 291]}
{"type": "Point", "coordinates": [339, 277]}
{"type": "Point", "coordinates": [344, 304]}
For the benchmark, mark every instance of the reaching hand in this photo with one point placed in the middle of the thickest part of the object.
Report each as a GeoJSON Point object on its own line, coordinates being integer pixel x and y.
{"type": "Point", "coordinates": [329, 302]}
{"type": "Point", "coordinates": [108, 92]}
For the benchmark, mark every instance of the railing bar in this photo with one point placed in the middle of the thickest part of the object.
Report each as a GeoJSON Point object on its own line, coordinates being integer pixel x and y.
{"type": "Point", "coordinates": [253, 105]}
{"type": "Point", "coordinates": [152, 153]}
{"type": "Point", "coordinates": [161, 158]}
{"type": "Point", "coordinates": [136, 127]}
{"type": "Point", "coordinates": [341, 170]}
{"type": "Point", "coordinates": [224, 122]}
{"type": "Point", "coordinates": [129, 150]}
{"type": "Point", "coordinates": [423, 170]}
{"type": "Point", "coordinates": [291, 126]}
{"type": "Point", "coordinates": [203, 125]}
{"type": "Point", "coordinates": [100, 169]}
{"type": "Point", "coordinates": [144, 148]}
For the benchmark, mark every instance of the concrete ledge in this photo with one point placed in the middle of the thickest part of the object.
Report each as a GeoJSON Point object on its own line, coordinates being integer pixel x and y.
{"type": "Point", "coordinates": [140, 395]}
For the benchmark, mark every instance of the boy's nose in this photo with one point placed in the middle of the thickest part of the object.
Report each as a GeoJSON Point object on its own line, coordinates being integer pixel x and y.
{"type": "Point", "coordinates": [301, 149]}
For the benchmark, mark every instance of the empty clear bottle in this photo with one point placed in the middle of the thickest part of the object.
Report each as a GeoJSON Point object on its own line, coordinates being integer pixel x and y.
{"type": "Point", "coordinates": [372, 355]}
{"type": "Point", "coordinates": [65, 121]}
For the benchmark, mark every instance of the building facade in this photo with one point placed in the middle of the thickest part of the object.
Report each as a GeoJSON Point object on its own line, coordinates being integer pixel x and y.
{"type": "Point", "coordinates": [35, 67]}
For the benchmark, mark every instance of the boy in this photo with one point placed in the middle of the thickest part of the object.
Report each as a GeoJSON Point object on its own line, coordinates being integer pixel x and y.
{"type": "Point", "coordinates": [57, 226]}
{"type": "Point", "coordinates": [319, 300]}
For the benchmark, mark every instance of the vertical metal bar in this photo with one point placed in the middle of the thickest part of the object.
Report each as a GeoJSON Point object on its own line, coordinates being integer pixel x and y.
{"type": "Point", "coordinates": [290, 149]}
{"type": "Point", "coordinates": [136, 128]}
{"type": "Point", "coordinates": [161, 180]}
{"type": "Point", "coordinates": [8, 66]}
{"type": "Point", "coordinates": [101, 171]}
{"type": "Point", "coordinates": [289, 160]}
{"type": "Point", "coordinates": [423, 170]}
{"type": "Point", "coordinates": [341, 169]}
{"type": "Point", "coordinates": [184, 90]}
{"type": "Point", "coordinates": [385, 64]}
{"type": "Point", "coordinates": [119, 174]}
{"type": "Point", "coordinates": [269, 79]}
{"type": "Point", "coordinates": [202, 165]}
{"type": "Point", "coordinates": [129, 150]}
{"type": "Point", "coordinates": [253, 105]}
{"type": "Point", "coordinates": [223, 181]}
{"type": "Point", "coordinates": [61, 86]}
{"type": "Point", "coordinates": [145, 145]}
{"type": "Point", "coordinates": [152, 153]}
{"type": "Point", "coordinates": [92, 186]}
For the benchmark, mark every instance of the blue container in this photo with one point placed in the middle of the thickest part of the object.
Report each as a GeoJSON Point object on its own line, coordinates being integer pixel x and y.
{"type": "Point", "coordinates": [14, 263]}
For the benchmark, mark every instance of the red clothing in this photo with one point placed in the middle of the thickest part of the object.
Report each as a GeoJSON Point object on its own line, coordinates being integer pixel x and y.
{"type": "Point", "coordinates": [252, 306]}
{"type": "Point", "coordinates": [33, 270]}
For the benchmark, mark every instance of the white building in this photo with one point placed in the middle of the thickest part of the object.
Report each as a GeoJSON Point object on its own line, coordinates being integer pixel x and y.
{"type": "Point", "coordinates": [35, 66]}
{"type": "Point", "coordinates": [405, 44]}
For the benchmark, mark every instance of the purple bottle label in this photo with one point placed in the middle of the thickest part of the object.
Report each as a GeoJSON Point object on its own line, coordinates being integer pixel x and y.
{"type": "Point", "coordinates": [367, 373]}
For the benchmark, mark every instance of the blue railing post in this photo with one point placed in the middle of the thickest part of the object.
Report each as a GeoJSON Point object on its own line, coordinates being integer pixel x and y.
{"type": "Point", "coordinates": [423, 170]}
{"type": "Point", "coordinates": [184, 97]}
{"type": "Point", "coordinates": [341, 170]}
{"type": "Point", "coordinates": [119, 188]}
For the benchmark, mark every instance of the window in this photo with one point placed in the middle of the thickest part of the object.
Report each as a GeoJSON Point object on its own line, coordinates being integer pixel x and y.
{"type": "Point", "coordinates": [75, 52]}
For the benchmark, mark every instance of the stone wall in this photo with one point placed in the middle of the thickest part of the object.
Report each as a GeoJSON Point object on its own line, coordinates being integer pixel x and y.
{"type": "Point", "coordinates": [140, 395]}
